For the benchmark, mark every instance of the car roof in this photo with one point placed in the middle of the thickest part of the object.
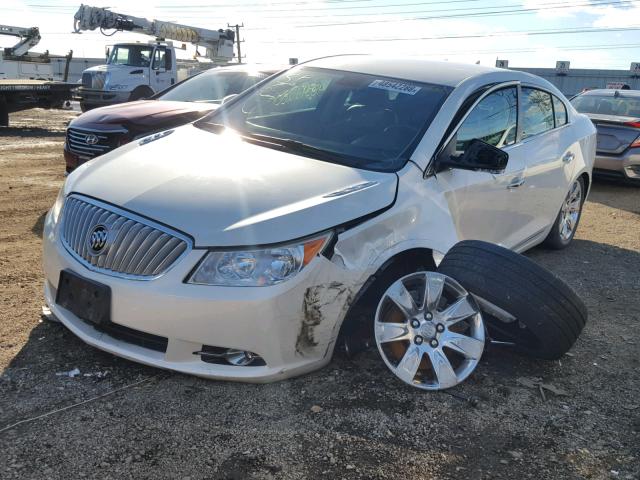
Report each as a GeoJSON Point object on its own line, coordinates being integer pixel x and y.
{"type": "Point", "coordinates": [259, 68]}
{"type": "Point", "coordinates": [609, 92]}
{"type": "Point", "coordinates": [410, 68]}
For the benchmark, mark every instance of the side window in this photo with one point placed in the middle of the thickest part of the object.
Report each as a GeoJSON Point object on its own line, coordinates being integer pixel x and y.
{"type": "Point", "coordinates": [167, 60]}
{"type": "Point", "coordinates": [158, 58]}
{"type": "Point", "coordinates": [537, 113]}
{"type": "Point", "coordinates": [559, 111]}
{"type": "Point", "coordinates": [493, 120]}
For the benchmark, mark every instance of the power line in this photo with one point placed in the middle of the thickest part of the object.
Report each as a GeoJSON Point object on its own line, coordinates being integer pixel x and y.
{"type": "Point", "coordinates": [532, 50]}
{"type": "Point", "coordinates": [464, 15]}
{"type": "Point", "coordinates": [477, 35]}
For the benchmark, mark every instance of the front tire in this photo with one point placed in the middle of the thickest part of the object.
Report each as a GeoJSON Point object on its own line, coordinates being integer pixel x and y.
{"type": "Point", "coordinates": [566, 223]}
{"type": "Point", "coordinates": [548, 314]}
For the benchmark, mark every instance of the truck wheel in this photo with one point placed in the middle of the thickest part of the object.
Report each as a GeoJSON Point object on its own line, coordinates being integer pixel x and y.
{"type": "Point", "coordinates": [140, 93]}
{"type": "Point", "coordinates": [85, 107]}
{"type": "Point", "coordinates": [4, 115]}
{"type": "Point", "coordinates": [566, 223]}
{"type": "Point", "coordinates": [539, 314]}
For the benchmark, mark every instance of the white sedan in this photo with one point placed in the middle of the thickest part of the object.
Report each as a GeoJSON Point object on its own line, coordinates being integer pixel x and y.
{"type": "Point", "coordinates": [243, 246]}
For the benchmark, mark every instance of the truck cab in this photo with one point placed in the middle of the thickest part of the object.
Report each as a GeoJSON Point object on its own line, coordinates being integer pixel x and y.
{"type": "Point", "coordinates": [133, 71]}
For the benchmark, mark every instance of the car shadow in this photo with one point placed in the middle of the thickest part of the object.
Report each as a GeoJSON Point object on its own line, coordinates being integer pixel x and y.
{"type": "Point", "coordinates": [24, 131]}
{"type": "Point", "coordinates": [616, 194]}
{"type": "Point", "coordinates": [38, 227]}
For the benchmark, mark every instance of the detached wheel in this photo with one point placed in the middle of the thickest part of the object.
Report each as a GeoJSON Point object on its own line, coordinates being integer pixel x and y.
{"type": "Point", "coordinates": [566, 223]}
{"type": "Point", "coordinates": [539, 314]}
{"type": "Point", "coordinates": [429, 331]}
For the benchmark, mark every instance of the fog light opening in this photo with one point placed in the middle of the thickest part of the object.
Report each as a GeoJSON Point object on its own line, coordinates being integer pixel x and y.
{"type": "Point", "coordinates": [229, 356]}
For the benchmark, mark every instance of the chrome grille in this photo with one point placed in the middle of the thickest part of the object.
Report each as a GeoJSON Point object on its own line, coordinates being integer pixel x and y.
{"type": "Point", "coordinates": [107, 141]}
{"type": "Point", "coordinates": [98, 81]}
{"type": "Point", "coordinates": [86, 79]}
{"type": "Point", "coordinates": [136, 247]}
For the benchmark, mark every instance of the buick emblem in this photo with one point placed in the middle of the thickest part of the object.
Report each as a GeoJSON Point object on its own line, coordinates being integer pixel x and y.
{"type": "Point", "coordinates": [91, 139]}
{"type": "Point", "coordinates": [98, 238]}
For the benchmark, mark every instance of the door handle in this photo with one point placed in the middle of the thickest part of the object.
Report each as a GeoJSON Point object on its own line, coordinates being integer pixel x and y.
{"type": "Point", "coordinates": [568, 157]}
{"type": "Point", "coordinates": [516, 182]}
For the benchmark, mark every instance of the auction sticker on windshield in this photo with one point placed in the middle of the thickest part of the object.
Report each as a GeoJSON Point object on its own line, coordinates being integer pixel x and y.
{"type": "Point", "coordinates": [399, 87]}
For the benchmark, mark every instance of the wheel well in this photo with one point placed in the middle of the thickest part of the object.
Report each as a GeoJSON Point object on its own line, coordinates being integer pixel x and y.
{"type": "Point", "coordinates": [356, 332]}
{"type": "Point", "coordinates": [587, 183]}
{"type": "Point", "coordinates": [142, 90]}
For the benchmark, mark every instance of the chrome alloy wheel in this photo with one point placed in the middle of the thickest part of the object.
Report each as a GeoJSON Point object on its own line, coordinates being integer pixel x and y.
{"type": "Point", "coordinates": [429, 331]}
{"type": "Point", "coordinates": [570, 211]}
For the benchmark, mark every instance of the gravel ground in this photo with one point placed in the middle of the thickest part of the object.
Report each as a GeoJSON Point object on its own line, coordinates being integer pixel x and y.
{"type": "Point", "coordinates": [349, 420]}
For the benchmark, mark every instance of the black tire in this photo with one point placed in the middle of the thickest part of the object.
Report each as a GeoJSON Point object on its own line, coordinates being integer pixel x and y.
{"type": "Point", "coordinates": [140, 93]}
{"type": "Point", "coordinates": [554, 240]}
{"type": "Point", "coordinates": [549, 314]}
{"type": "Point", "coordinates": [85, 107]}
{"type": "Point", "coordinates": [4, 114]}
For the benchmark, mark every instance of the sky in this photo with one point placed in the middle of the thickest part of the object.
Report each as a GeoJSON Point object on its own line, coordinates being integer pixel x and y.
{"type": "Point", "coordinates": [528, 33]}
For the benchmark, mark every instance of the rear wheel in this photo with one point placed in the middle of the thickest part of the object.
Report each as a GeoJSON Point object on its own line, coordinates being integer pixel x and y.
{"type": "Point", "coordinates": [566, 223]}
{"type": "Point", "coordinates": [537, 313]}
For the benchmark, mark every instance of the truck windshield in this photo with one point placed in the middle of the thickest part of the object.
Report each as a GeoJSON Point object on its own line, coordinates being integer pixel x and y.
{"type": "Point", "coordinates": [131, 55]}
{"type": "Point", "coordinates": [212, 86]}
{"type": "Point", "coordinates": [355, 119]}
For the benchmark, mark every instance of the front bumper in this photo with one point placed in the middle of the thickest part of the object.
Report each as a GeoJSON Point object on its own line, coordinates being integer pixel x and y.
{"type": "Point", "coordinates": [626, 166]}
{"type": "Point", "coordinates": [96, 98]}
{"type": "Point", "coordinates": [292, 326]}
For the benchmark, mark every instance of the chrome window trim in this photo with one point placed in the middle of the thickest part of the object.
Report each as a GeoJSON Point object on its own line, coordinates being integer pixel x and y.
{"type": "Point", "coordinates": [519, 141]}
{"type": "Point", "coordinates": [131, 216]}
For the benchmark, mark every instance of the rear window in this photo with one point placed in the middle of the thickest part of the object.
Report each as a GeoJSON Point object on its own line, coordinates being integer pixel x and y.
{"type": "Point", "coordinates": [607, 105]}
{"type": "Point", "coordinates": [560, 111]}
{"type": "Point", "coordinates": [537, 113]}
{"type": "Point", "coordinates": [212, 87]}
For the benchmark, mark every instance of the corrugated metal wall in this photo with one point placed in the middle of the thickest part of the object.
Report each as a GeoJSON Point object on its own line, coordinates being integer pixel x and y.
{"type": "Point", "coordinates": [578, 79]}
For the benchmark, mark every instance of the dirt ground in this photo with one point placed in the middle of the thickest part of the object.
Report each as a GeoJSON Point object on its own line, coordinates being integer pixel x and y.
{"type": "Point", "coordinates": [369, 425]}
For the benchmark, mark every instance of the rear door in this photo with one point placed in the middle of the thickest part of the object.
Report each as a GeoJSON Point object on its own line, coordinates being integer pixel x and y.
{"type": "Point", "coordinates": [549, 151]}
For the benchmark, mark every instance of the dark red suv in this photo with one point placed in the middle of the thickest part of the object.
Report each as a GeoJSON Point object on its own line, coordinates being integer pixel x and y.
{"type": "Point", "coordinates": [101, 130]}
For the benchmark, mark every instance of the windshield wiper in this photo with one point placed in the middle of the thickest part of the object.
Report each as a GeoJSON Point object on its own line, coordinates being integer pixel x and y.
{"type": "Point", "coordinates": [294, 146]}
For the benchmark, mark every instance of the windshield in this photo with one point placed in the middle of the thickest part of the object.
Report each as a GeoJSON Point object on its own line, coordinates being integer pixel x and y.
{"type": "Point", "coordinates": [212, 87]}
{"type": "Point", "coordinates": [365, 121]}
{"type": "Point", "coordinates": [131, 55]}
{"type": "Point", "coordinates": [608, 105]}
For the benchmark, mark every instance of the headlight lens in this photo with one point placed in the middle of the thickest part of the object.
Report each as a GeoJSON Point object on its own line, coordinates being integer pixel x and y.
{"type": "Point", "coordinates": [57, 206]}
{"type": "Point", "coordinates": [257, 268]}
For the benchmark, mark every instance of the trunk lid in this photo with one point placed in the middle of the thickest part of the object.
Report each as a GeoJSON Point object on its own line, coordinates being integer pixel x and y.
{"type": "Point", "coordinates": [614, 132]}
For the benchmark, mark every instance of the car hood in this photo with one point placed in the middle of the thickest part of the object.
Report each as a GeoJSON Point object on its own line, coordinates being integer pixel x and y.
{"type": "Point", "coordinates": [226, 192]}
{"type": "Point", "coordinates": [143, 114]}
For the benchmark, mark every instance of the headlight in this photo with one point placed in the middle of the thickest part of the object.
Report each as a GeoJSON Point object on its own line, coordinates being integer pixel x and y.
{"type": "Point", "coordinates": [57, 206]}
{"type": "Point", "coordinates": [257, 268]}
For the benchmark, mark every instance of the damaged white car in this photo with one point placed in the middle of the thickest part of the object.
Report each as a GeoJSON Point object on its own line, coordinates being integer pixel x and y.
{"type": "Point", "coordinates": [245, 246]}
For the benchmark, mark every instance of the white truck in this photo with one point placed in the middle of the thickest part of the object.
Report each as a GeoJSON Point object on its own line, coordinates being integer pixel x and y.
{"type": "Point", "coordinates": [27, 79]}
{"type": "Point", "coordinates": [138, 70]}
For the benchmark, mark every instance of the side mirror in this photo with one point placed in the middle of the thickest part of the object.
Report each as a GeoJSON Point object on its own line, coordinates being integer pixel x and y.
{"type": "Point", "coordinates": [478, 155]}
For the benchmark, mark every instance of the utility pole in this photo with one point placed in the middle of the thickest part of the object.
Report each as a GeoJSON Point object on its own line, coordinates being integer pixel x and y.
{"type": "Point", "coordinates": [238, 41]}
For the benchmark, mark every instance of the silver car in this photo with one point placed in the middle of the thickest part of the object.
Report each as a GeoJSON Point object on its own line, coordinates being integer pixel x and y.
{"type": "Point", "coordinates": [616, 115]}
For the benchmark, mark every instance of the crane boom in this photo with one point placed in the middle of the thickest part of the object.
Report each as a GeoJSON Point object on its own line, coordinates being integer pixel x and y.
{"type": "Point", "coordinates": [29, 38]}
{"type": "Point", "coordinates": [218, 43]}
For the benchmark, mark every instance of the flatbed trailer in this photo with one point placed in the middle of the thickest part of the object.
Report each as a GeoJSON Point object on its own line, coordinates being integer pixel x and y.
{"type": "Point", "coordinates": [17, 95]}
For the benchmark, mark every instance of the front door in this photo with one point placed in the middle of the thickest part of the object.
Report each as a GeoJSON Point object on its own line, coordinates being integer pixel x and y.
{"type": "Point", "coordinates": [484, 205]}
{"type": "Point", "coordinates": [161, 69]}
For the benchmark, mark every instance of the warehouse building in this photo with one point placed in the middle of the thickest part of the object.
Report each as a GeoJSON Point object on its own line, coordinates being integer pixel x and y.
{"type": "Point", "coordinates": [571, 81]}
